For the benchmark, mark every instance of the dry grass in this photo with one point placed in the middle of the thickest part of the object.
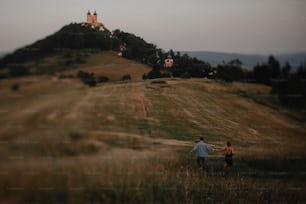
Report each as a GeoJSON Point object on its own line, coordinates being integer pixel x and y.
{"type": "Point", "coordinates": [109, 64]}
{"type": "Point", "coordinates": [62, 142]}
{"type": "Point", "coordinates": [142, 178]}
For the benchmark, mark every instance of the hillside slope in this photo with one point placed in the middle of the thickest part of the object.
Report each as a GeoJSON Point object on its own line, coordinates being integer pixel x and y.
{"type": "Point", "coordinates": [109, 64]}
{"type": "Point", "coordinates": [179, 109]}
{"type": "Point", "coordinates": [65, 142]}
{"type": "Point", "coordinates": [74, 36]}
{"type": "Point", "coordinates": [72, 45]}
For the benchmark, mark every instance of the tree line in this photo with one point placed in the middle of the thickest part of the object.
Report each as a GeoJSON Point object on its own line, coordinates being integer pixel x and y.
{"type": "Point", "coordinates": [289, 85]}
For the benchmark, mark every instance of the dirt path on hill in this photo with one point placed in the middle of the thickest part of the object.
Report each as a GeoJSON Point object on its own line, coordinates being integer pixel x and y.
{"type": "Point", "coordinates": [138, 102]}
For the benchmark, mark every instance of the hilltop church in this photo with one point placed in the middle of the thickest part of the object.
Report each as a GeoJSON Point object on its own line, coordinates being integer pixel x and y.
{"type": "Point", "coordinates": [92, 20]}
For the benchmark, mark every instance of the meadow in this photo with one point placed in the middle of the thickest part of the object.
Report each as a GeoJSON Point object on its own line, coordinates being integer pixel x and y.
{"type": "Point", "coordinates": [129, 142]}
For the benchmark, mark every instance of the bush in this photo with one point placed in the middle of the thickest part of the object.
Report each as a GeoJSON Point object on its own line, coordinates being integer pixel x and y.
{"type": "Point", "coordinates": [15, 87]}
{"type": "Point", "coordinates": [90, 81]}
{"type": "Point", "coordinates": [126, 77]}
{"type": "Point", "coordinates": [186, 75]}
{"type": "Point", "coordinates": [87, 78]}
{"type": "Point", "coordinates": [102, 79]}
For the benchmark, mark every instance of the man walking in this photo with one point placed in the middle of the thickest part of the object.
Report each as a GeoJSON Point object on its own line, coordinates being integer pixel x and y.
{"type": "Point", "coordinates": [201, 150]}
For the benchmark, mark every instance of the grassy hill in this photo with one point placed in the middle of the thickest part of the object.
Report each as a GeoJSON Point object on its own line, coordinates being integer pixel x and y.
{"type": "Point", "coordinates": [74, 36]}
{"type": "Point", "coordinates": [71, 47]}
{"type": "Point", "coordinates": [106, 63]}
{"type": "Point", "coordinates": [109, 64]}
{"type": "Point", "coordinates": [125, 142]}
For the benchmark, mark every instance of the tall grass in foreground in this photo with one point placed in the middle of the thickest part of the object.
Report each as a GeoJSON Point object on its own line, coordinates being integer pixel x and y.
{"type": "Point", "coordinates": [173, 179]}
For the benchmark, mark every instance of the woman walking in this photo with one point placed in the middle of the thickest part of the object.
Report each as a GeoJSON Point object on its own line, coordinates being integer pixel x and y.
{"type": "Point", "coordinates": [229, 152]}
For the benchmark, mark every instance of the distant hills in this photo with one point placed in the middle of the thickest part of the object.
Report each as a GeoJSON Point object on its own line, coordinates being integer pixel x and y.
{"type": "Point", "coordinates": [248, 60]}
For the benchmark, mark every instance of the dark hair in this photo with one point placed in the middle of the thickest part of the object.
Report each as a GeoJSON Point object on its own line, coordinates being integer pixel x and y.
{"type": "Point", "coordinates": [201, 138]}
{"type": "Point", "coordinates": [229, 144]}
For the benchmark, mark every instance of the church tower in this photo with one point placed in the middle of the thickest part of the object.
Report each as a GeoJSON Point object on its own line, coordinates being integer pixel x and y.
{"type": "Point", "coordinates": [95, 17]}
{"type": "Point", "coordinates": [89, 17]}
{"type": "Point", "coordinates": [92, 21]}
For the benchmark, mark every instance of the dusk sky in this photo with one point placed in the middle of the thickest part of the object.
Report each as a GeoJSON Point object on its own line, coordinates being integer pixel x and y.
{"type": "Point", "coordinates": [239, 26]}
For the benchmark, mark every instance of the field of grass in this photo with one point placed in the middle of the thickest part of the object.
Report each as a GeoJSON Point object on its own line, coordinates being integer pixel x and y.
{"type": "Point", "coordinates": [109, 64]}
{"type": "Point", "coordinates": [106, 63]}
{"type": "Point", "coordinates": [129, 142]}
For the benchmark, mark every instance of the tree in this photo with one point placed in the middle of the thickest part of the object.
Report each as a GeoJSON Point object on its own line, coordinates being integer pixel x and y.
{"type": "Point", "coordinates": [87, 78]}
{"type": "Point", "coordinates": [285, 70]}
{"type": "Point", "coordinates": [126, 77]}
{"type": "Point", "coordinates": [291, 88]}
{"type": "Point", "coordinates": [274, 66]}
{"type": "Point", "coordinates": [231, 71]}
{"type": "Point", "coordinates": [267, 72]}
{"type": "Point", "coordinates": [102, 79]}
{"type": "Point", "coordinates": [15, 87]}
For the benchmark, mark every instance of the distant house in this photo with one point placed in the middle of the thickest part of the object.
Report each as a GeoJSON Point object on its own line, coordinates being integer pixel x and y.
{"type": "Point", "coordinates": [168, 63]}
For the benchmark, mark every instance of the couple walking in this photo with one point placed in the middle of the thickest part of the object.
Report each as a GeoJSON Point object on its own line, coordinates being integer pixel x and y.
{"type": "Point", "coordinates": [201, 150]}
